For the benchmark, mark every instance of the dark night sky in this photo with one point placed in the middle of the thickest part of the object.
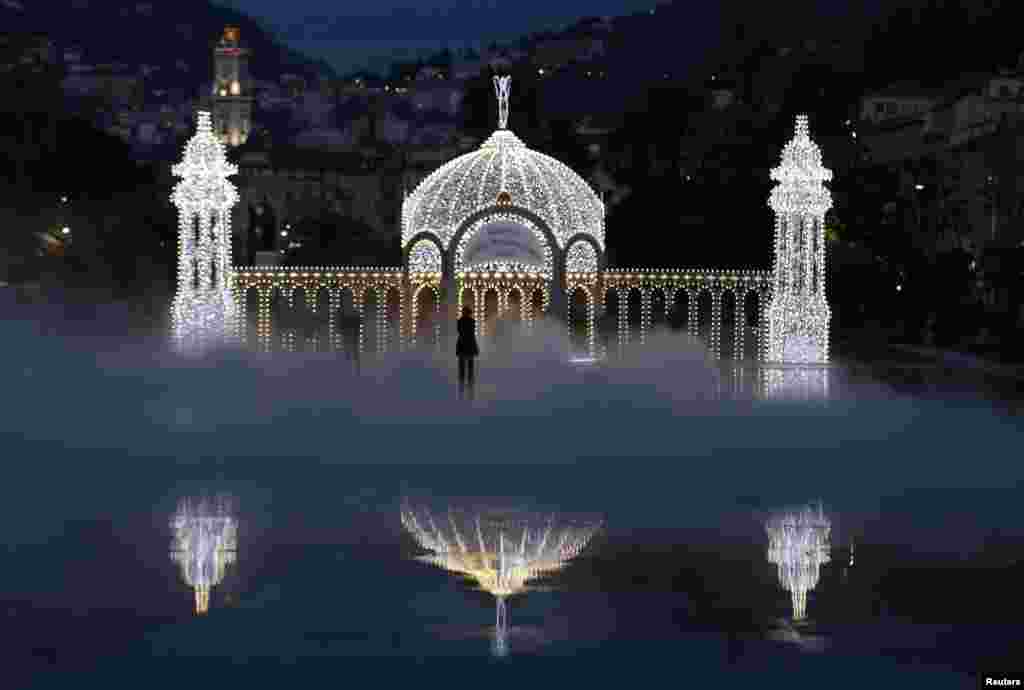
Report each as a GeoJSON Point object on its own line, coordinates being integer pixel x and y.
{"type": "Point", "coordinates": [370, 33]}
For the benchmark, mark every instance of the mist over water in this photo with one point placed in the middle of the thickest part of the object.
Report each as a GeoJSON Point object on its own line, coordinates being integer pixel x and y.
{"type": "Point", "coordinates": [653, 423]}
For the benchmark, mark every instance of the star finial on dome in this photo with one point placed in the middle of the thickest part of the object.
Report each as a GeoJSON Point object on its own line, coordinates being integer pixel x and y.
{"type": "Point", "coordinates": [501, 86]}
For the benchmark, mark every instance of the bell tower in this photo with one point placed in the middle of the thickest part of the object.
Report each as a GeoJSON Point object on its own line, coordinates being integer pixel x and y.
{"type": "Point", "coordinates": [232, 98]}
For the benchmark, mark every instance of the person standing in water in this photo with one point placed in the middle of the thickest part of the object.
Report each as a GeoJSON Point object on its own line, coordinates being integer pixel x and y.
{"type": "Point", "coordinates": [466, 349]}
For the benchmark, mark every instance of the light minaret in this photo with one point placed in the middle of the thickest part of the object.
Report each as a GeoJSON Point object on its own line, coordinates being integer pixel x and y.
{"type": "Point", "coordinates": [798, 316]}
{"type": "Point", "coordinates": [232, 99]}
{"type": "Point", "coordinates": [204, 311]}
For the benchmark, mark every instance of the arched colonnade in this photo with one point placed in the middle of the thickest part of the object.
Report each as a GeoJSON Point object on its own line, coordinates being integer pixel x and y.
{"type": "Point", "coordinates": [377, 310]}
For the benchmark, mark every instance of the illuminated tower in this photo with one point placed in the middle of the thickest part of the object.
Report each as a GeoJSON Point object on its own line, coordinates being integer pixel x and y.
{"type": "Point", "coordinates": [232, 99]}
{"type": "Point", "coordinates": [204, 311]}
{"type": "Point", "coordinates": [502, 553]}
{"type": "Point", "coordinates": [799, 544]}
{"type": "Point", "coordinates": [798, 316]}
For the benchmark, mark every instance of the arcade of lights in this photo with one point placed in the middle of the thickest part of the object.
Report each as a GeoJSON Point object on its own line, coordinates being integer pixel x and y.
{"type": "Point", "coordinates": [798, 545]}
{"type": "Point", "coordinates": [517, 235]}
{"type": "Point", "coordinates": [205, 543]}
{"type": "Point", "coordinates": [502, 553]}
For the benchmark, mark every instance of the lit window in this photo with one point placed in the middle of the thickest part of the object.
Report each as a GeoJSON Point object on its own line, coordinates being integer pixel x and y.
{"type": "Point", "coordinates": [236, 89]}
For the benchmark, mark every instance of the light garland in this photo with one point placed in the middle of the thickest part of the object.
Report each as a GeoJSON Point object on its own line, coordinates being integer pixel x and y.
{"type": "Point", "coordinates": [204, 311]}
{"type": "Point", "coordinates": [503, 553]}
{"type": "Point", "coordinates": [798, 546]}
{"type": "Point", "coordinates": [205, 543]}
{"type": "Point", "coordinates": [798, 316]}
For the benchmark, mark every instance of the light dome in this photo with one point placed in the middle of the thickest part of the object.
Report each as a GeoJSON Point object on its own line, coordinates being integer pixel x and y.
{"type": "Point", "coordinates": [472, 182]}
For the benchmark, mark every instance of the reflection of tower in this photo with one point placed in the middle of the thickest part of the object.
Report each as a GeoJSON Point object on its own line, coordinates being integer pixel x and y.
{"type": "Point", "coordinates": [205, 544]}
{"type": "Point", "coordinates": [798, 316]}
{"type": "Point", "coordinates": [799, 545]}
{"type": "Point", "coordinates": [204, 311]}
{"type": "Point", "coordinates": [502, 553]}
{"type": "Point", "coordinates": [232, 100]}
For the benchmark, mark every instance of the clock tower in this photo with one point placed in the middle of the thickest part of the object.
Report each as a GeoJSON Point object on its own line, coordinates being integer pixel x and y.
{"type": "Point", "coordinates": [232, 99]}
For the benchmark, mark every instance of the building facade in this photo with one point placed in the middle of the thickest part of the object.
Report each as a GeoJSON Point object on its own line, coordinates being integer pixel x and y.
{"type": "Point", "coordinates": [231, 96]}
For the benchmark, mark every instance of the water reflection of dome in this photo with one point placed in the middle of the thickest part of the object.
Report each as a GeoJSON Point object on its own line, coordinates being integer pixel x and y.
{"type": "Point", "coordinates": [501, 552]}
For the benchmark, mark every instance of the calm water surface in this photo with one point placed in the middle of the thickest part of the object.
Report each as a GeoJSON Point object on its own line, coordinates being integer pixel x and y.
{"type": "Point", "coordinates": [920, 478]}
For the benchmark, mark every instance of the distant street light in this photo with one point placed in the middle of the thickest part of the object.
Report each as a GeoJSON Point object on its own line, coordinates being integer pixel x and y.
{"type": "Point", "coordinates": [919, 187]}
{"type": "Point", "coordinates": [899, 288]}
{"type": "Point", "coordinates": [284, 233]}
{"type": "Point", "coordinates": [63, 200]}
{"type": "Point", "coordinates": [66, 230]}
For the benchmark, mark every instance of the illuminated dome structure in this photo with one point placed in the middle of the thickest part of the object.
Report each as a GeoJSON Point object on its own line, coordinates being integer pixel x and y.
{"type": "Point", "coordinates": [204, 545]}
{"type": "Point", "coordinates": [799, 545]}
{"type": "Point", "coordinates": [510, 183]}
{"type": "Point", "coordinates": [501, 552]}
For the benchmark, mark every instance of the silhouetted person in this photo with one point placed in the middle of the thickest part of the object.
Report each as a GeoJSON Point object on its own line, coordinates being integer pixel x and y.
{"type": "Point", "coordinates": [466, 350]}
